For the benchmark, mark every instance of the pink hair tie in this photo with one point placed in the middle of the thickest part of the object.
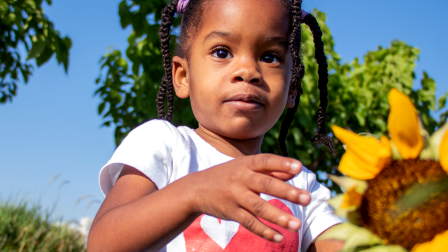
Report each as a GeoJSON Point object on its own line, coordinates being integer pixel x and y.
{"type": "Point", "coordinates": [304, 13]}
{"type": "Point", "coordinates": [181, 6]}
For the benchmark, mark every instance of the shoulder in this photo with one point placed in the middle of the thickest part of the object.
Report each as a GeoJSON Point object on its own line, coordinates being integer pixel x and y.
{"type": "Point", "coordinates": [153, 132]}
{"type": "Point", "coordinates": [149, 148]}
{"type": "Point", "coordinates": [154, 128]}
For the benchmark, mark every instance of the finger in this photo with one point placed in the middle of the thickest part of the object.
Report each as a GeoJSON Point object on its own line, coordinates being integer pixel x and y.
{"type": "Point", "coordinates": [261, 183]}
{"type": "Point", "coordinates": [269, 163]}
{"type": "Point", "coordinates": [269, 212]}
{"type": "Point", "coordinates": [282, 175]}
{"type": "Point", "coordinates": [254, 225]}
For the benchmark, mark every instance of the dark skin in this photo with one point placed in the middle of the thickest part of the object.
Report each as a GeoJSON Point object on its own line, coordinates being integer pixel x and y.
{"type": "Point", "coordinates": [238, 55]}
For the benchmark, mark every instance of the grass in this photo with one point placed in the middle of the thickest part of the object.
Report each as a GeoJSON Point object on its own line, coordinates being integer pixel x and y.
{"type": "Point", "coordinates": [25, 228]}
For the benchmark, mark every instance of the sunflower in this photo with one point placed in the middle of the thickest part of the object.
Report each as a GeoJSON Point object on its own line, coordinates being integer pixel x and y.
{"type": "Point", "coordinates": [396, 191]}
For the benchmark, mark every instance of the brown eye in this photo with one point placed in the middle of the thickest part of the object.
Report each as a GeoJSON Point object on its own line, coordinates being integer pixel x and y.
{"type": "Point", "coordinates": [222, 54]}
{"type": "Point", "coordinates": [272, 57]}
{"type": "Point", "coordinates": [269, 58]}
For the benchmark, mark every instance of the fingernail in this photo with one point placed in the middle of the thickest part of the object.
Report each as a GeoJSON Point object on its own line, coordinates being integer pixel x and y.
{"type": "Point", "coordinates": [295, 167]}
{"type": "Point", "coordinates": [304, 198]}
{"type": "Point", "coordinates": [293, 225]}
{"type": "Point", "coordinates": [278, 238]}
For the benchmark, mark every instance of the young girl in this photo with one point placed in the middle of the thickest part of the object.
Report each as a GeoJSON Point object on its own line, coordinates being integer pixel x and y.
{"type": "Point", "coordinates": [177, 189]}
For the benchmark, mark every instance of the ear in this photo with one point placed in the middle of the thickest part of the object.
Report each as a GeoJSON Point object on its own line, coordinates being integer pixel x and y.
{"type": "Point", "coordinates": [291, 101]}
{"type": "Point", "coordinates": [180, 77]}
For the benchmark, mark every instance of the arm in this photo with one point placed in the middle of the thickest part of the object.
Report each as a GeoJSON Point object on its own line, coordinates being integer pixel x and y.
{"type": "Point", "coordinates": [128, 212]}
{"type": "Point", "coordinates": [326, 245]}
{"type": "Point", "coordinates": [136, 216]}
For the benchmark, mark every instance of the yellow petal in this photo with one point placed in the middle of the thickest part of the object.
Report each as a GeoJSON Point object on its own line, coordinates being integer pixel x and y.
{"type": "Point", "coordinates": [438, 244]}
{"type": "Point", "coordinates": [443, 152]}
{"type": "Point", "coordinates": [352, 167]}
{"type": "Point", "coordinates": [351, 198]}
{"type": "Point", "coordinates": [436, 139]}
{"type": "Point", "coordinates": [336, 202]}
{"type": "Point", "coordinates": [403, 125]}
{"type": "Point", "coordinates": [385, 143]}
{"type": "Point", "coordinates": [365, 157]}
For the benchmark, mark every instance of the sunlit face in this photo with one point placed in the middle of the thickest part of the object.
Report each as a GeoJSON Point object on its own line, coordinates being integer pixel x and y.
{"type": "Point", "coordinates": [239, 68]}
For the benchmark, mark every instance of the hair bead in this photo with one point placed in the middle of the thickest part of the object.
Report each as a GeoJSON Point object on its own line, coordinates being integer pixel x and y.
{"type": "Point", "coordinates": [181, 6]}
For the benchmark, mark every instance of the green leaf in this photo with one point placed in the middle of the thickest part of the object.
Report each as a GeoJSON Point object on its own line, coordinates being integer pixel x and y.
{"type": "Point", "coordinates": [45, 56]}
{"type": "Point", "coordinates": [428, 83]}
{"type": "Point", "coordinates": [341, 232]}
{"type": "Point", "coordinates": [442, 101]}
{"type": "Point", "coordinates": [125, 14]}
{"type": "Point", "coordinates": [3, 8]}
{"type": "Point", "coordinates": [362, 237]}
{"type": "Point", "coordinates": [427, 151]}
{"type": "Point", "coordinates": [385, 248]}
{"type": "Point", "coordinates": [395, 153]}
{"type": "Point", "coordinates": [348, 183]}
{"type": "Point", "coordinates": [68, 42]}
{"type": "Point", "coordinates": [101, 108]}
{"type": "Point", "coordinates": [37, 48]}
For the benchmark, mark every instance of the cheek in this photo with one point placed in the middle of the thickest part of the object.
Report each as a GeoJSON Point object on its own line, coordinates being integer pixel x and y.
{"type": "Point", "coordinates": [203, 95]}
{"type": "Point", "coordinates": [280, 82]}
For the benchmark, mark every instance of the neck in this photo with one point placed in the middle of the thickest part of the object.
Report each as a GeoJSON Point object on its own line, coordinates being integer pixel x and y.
{"type": "Point", "coordinates": [229, 146]}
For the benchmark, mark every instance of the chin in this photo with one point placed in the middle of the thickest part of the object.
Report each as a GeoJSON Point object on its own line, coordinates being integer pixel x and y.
{"type": "Point", "coordinates": [242, 135]}
{"type": "Point", "coordinates": [241, 131]}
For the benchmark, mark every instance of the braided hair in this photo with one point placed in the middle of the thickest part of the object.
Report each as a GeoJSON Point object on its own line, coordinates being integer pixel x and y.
{"type": "Point", "coordinates": [190, 22]}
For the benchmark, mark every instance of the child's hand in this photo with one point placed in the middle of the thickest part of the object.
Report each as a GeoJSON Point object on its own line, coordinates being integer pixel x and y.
{"type": "Point", "coordinates": [231, 191]}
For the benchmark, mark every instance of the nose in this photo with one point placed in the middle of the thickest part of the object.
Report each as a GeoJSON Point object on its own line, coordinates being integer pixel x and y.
{"type": "Point", "coordinates": [247, 70]}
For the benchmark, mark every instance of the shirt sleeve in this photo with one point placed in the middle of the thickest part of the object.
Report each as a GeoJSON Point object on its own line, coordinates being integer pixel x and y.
{"type": "Point", "coordinates": [147, 148]}
{"type": "Point", "coordinates": [319, 216]}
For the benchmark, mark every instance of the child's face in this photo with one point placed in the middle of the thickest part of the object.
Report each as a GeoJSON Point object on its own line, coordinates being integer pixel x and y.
{"type": "Point", "coordinates": [239, 69]}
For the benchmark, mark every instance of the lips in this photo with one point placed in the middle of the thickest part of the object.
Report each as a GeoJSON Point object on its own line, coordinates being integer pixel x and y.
{"type": "Point", "coordinates": [246, 98]}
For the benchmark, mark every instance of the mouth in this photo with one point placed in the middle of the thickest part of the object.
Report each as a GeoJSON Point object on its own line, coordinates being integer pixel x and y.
{"type": "Point", "coordinates": [246, 101]}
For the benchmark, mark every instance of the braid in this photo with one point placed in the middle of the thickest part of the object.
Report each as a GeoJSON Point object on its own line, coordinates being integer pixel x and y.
{"type": "Point", "coordinates": [294, 42]}
{"type": "Point", "coordinates": [321, 134]}
{"type": "Point", "coordinates": [191, 21]}
{"type": "Point", "coordinates": [298, 71]}
{"type": "Point", "coordinates": [290, 113]}
{"type": "Point", "coordinates": [166, 88]}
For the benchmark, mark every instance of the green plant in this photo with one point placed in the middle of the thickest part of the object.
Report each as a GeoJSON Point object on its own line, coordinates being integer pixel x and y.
{"type": "Point", "coordinates": [26, 227]}
{"type": "Point", "coordinates": [23, 23]}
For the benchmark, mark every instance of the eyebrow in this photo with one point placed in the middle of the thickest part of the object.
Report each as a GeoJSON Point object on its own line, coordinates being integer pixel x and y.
{"type": "Point", "coordinates": [220, 34]}
{"type": "Point", "coordinates": [279, 40]}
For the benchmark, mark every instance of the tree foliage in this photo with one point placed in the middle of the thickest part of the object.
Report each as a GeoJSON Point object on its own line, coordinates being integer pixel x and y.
{"type": "Point", "coordinates": [358, 90]}
{"type": "Point", "coordinates": [23, 26]}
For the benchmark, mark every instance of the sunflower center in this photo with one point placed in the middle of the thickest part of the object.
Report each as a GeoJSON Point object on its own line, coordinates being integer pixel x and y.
{"type": "Point", "coordinates": [411, 226]}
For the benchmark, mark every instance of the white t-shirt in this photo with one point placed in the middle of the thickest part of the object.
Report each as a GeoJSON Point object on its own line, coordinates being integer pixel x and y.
{"type": "Point", "coordinates": [166, 153]}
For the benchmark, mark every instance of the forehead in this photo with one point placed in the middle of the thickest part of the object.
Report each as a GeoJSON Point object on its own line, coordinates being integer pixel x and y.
{"type": "Point", "coordinates": [269, 17]}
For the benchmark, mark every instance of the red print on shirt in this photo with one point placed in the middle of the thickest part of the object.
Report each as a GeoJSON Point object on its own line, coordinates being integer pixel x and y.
{"type": "Point", "coordinates": [214, 237]}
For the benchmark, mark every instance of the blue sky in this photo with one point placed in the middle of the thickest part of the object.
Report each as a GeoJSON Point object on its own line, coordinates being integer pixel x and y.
{"type": "Point", "coordinates": [52, 126]}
